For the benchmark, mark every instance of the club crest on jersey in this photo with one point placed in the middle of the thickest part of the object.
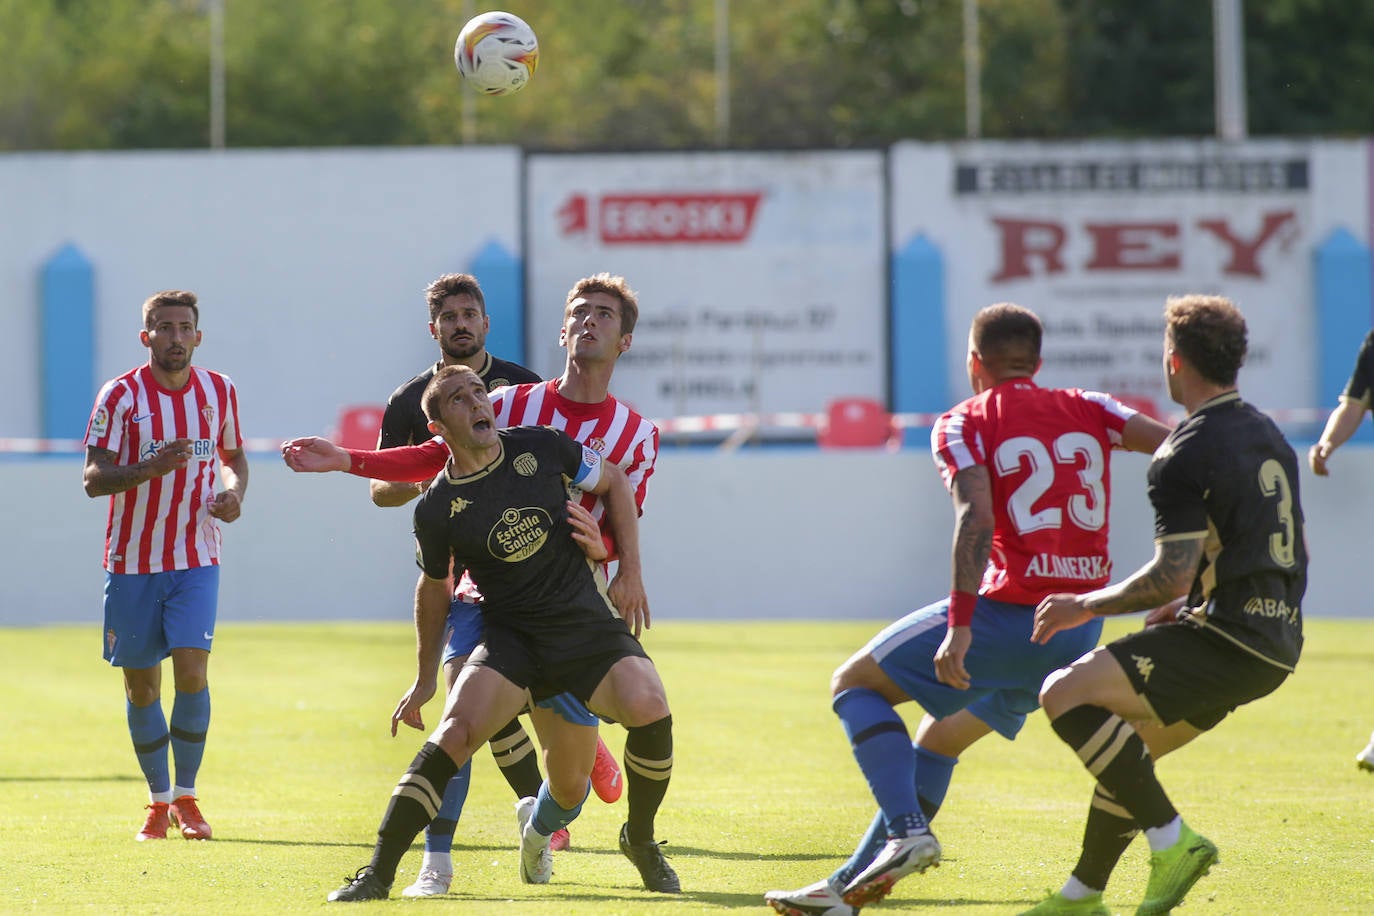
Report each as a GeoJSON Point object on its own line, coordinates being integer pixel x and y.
{"type": "Point", "coordinates": [597, 443]}
{"type": "Point", "coordinates": [525, 464]}
{"type": "Point", "coordinates": [493, 384]}
{"type": "Point", "coordinates": [208, 412]}
{"type": "Point", "coordinates": [458, 505]}
{"type": "Point", "coordinates": [519, 533]}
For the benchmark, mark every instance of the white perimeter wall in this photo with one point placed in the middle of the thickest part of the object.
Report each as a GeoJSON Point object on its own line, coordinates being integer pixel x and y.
{"type": "Point", "coordinates": [742, 536]}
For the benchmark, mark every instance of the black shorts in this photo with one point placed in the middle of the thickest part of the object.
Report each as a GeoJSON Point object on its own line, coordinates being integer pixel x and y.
{"type": "Point", "coordinates": [1190, 674]}
{"type": "Point", "coordinates": [557, 657]}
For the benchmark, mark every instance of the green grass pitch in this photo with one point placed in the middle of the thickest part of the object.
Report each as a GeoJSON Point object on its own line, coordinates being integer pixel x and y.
{"type": "Point", "coordinates": [764, 793]}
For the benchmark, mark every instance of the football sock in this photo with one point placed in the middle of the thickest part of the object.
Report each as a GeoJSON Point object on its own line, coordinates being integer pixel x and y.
{"type": "Point", "coordinates": [1113, 753]}
{"type": "Point", "coordinates": [442, 862]}
{"type": "Point", "coordinates": [933, 774]}
{"type": "Point", "coordinates": [514, 754]}
{"type": "Point", "coordinates": [1162, 838]}
{"type": "Point", "coordinates": [880, 743]}
{"type": "Point", "coordinates": [867, 850]}
{"type": "Point", "coordinates": [1106, 834]}
{"type": "Point", "coordinates": [190, 722]}
{"type": "Point", "coordinates": [1074, 889]}
{"type": "Point", "coordinates": [550, 816]}
{"type": "Point", "coordinates": [414, 802]}
{"type": "Point", "coordinates": [648, 767]}
{"type": "Point", "coordinates": [148, 729]}
{"type": "Point", "coordinates": [439, 833]}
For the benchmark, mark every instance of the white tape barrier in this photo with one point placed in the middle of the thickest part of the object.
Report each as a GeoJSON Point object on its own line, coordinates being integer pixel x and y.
{"type": "Point", "coordinates": [738, 424]}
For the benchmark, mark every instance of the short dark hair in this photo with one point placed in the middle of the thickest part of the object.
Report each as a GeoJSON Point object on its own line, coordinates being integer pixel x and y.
{"type": "Point", "coordinates": [613, 286]}
{"type": "Point", "coordinates": [1007, 338]}
{"type": "Point", "coordinates": [453, 285]}
{"type": "Point", "coordinates": [1209, 332]}
{"type": "Point", "coordinates": [169, 297]}
{"type": "Point", "coordinates": [429, 400]}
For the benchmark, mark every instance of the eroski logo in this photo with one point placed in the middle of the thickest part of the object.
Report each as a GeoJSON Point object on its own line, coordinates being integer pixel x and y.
{"type": "Point", "coordinates": [662, 219]}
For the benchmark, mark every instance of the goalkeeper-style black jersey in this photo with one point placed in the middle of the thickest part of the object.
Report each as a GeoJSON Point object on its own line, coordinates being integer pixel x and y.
{"type": "Point", "coordinates": [1361, 385]}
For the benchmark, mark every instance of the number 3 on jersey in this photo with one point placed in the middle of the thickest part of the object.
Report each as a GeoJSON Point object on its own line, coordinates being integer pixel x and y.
{"type": "Point", "coordinates": [1274, 482]}
{"type": "Point", "coordinates": [1087, 508]}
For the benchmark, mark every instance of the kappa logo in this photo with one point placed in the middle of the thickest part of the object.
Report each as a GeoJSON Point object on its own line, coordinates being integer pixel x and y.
{"type": "Point", "coordinates": [1144, 665]}
{"type": "Point", "coordinates": [457, 505]}
{"type": "Point", "coordinates": [525, 464]}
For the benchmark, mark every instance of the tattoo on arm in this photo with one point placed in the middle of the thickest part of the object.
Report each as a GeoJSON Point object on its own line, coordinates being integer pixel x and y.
{"type": "Point", "coordinates": [972, 493]}
{"type": "Point", "coordinates": [1168, 576]}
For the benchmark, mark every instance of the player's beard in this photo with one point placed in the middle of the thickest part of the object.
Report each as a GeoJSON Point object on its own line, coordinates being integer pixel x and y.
{"type": "Point", "coordinates": [464, 348]}
{"type": "Point", "coordinates": [169, 363]}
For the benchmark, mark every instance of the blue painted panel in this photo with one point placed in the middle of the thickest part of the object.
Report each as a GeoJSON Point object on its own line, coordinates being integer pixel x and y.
{"type": "Point", "coordinates": [918, 346]}
{"type": "Point", "coordinates": [66, 331]}
{"type": "Point", "coordinates": [1343, 291]}
{"type": "Point", "coordinates": [502, 276]}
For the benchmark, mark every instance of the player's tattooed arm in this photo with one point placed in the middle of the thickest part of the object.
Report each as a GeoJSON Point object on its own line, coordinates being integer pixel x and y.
{"type": "Point", "coordinates": [1167, 577]}
{"type": "Point", "coordinates": [971, 491]}
{"type": "Point", "coordinates": [104, 476]}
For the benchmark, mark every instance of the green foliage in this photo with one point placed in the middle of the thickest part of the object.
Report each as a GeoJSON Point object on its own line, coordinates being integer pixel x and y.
{"type": "Point", "coordinates": [764, 794]}
{"type": "Point", "coordinates": [641, 74]}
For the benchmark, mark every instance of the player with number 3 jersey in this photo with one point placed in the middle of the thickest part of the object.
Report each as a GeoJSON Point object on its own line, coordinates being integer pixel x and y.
{"type": "Point", "coordinates": [1028, 469]}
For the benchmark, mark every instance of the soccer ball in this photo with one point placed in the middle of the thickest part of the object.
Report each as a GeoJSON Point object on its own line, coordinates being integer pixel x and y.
{"type": "Point", "coordinates": [497, 53]}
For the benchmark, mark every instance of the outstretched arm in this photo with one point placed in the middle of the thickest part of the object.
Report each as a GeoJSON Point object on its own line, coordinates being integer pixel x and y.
{"type": "Point", "coordinates": [1340, 426]}
{"type": "Point", "coordinates": [1167, 577]}
{"type": "Point", "coordinates": [1143, 433]}
{"type": "Point", "coordinates": [413, 463]}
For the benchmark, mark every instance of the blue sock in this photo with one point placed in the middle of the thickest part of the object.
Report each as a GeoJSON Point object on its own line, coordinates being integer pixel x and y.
{"type": "Point", "coordinates": [550, 816]}
{"type": "Point", "coordinates": [439, 833]}
{"type": "Point", "coordinates": [933, 773]}
{"type": "Point", "coordinates": [190, 722]}
{"type": "Point", "coordinates": [864, 853]}
{"type": "Point", "coordinates": [148, 729]}
{"type": "Point", "coordinates": [883, 750]}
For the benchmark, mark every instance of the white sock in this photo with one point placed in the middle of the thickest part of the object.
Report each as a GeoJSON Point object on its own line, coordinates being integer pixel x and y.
{"type": "Point", "coordinates": [160, 797]}
{"type": "Point", "coordinates": [1076, 890]}
{"type": "Point", "coordinates": [179, 791]}
{"type": "Point", "coordinates": [1162, 838]}
{"type": "Point", "coordinates": [442, 862]}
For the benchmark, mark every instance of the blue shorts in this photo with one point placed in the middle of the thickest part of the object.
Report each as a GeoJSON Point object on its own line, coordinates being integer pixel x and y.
{"type": "Point", "coordinates": [1005, 667]}
{"type": "Point", "coordinates": [149, 615]}
{"type": "Point", "coordinates": [465, 632]}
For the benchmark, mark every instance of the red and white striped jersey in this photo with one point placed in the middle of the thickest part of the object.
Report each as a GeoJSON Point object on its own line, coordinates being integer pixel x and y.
{"type": "Point", "coordinates": [164, 523]}
{"type": "Point", "coordinates": [1048, 455]}
{"type": "Point", "coordinates": [620, 435]}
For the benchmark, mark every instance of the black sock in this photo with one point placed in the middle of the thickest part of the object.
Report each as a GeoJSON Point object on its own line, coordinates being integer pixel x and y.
{"type": "Point", "coordinates": [1112, 751]}
{"type": "Point", "coordinates": [414, 803]}
{"type": "Point", "coordinates": [1108, 831]}
{"type": "Point", "coordinates": [648, 766]}
{"type": "Point", "coordinates": [514, 753]}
